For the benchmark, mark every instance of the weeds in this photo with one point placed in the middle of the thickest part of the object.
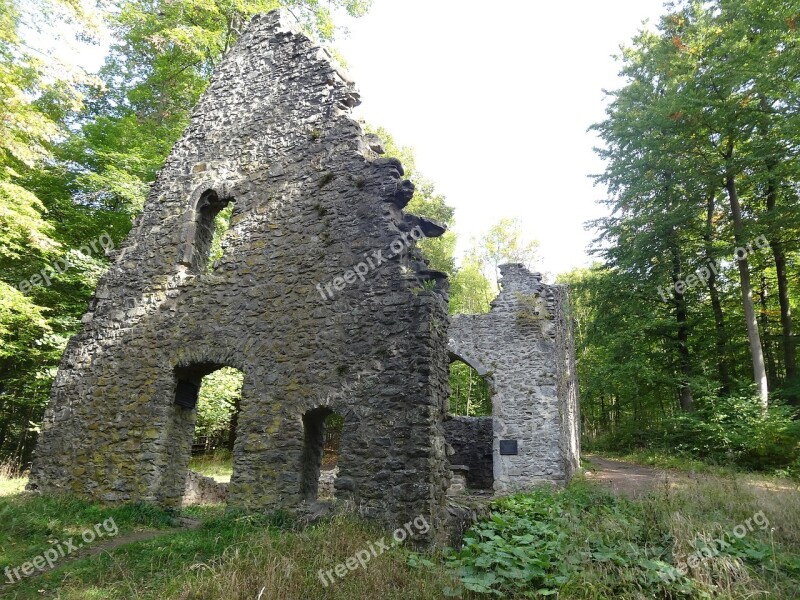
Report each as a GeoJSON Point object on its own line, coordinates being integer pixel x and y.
{"type": "Point", "coordinates": [579, 543]}
{"type": "Point", "coordinates": [585, 542]}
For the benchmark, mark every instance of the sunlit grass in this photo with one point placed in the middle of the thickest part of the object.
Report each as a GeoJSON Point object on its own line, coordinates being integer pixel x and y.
{"type": "Point", "coordinates": [218, 465]}
{"type": "Point", "coordinates": [11, 481]}
{"type": "Point", "coordinates": [235, 556]}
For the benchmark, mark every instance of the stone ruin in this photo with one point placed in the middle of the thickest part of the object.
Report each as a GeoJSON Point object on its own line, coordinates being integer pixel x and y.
{"type": "Point", "coordinates": [524, 349]}
{"type": "Point", "coordinates": [320, 298]}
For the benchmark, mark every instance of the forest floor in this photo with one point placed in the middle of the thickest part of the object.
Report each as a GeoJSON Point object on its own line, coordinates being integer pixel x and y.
{"type": "Point", "coordinates": [617, 531]}
{"type": "Point", "coordinates": [626, 478]}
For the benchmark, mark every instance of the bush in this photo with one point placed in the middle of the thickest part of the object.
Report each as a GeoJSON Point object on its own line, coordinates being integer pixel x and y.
{"type": "Point", "coordinates": [548, 542]}
{"type": "Point", "coordinates": [734, 430]}
{"type": "Point", "coordinates": [726, 431]}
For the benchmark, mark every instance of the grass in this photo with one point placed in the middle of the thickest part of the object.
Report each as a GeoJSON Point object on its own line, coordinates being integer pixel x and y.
{"type": "Point", "coordinates": [662, 460]}
{"type": "Point", "coordinates": [235, 557]}
{"type": "Point", "coordinates": [581, 543]}
{"type": "Point", "coordinates": [30, 524]}
{"type": "Point", "coordinates": [11, 481]}
{"type": "Point", "coordinates": [218, 465]}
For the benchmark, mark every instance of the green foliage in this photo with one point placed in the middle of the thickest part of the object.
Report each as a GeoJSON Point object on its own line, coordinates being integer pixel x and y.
{"type": "Point", "coordinates": [427, 202]}
{"type": "Point", "coordinates": [533, 545]}
{"type": "Point", "coordinates": [505, 242]}
{"type": "Point", "coordinates": [37, 99]}
{"type": "Point", "coordinates": [471, 292]}
{"type": "Point", "coordinates": [470, 394]}
{"type": "Point", "coordinates": [730, 430]}
{"type": "Point", "coordinates": [734, 430]}
{"type": "Point", "coordinates": [221, 224]}
{"type": "Point", "coordinates": [701, 158]}
{"type": "Point", "coordinates": [218, 402]}
{"type": "Point", "coordinates": [585, 542]}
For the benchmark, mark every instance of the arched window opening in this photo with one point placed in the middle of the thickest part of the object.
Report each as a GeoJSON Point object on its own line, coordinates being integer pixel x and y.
{"type": "Point", "coordinates": [323, 433]}
{"type": "Point", "coordinates": [210, 396]}
{"type": "Point", "coordinates": [470, 394]}
{"type": "Point", "coordinates": [222, 223]}
{"type": "Point", "coordinates": [211, 220]}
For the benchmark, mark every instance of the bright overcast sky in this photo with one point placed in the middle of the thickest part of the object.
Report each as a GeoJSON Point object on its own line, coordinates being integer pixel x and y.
{"type": "Point", "coordinates": [496, 103]}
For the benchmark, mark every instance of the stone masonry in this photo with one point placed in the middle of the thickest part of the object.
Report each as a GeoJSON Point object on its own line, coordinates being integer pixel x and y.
{"type": "Point", "coordinates": [524, 348]}
{"type": "Point", "coordinates": [321, 299]}
{"type": "Point", "coordinates": [471, 440]}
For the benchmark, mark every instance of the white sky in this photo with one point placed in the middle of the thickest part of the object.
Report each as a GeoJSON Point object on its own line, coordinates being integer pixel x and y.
{"type": "Point", "coordinates": [496, 102]}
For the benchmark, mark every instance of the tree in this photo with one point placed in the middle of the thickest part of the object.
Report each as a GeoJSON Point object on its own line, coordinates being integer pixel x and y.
{"type": "Point", "coordinates": [701, 147]}
{"type": "Point", "coordinates": [471, 292]}
{"type": "Point", "coordinates": [695, 111]}
{"type": "Point", "coordinates": [505, 242]}
{"type": "Point", "coordinates": [77, 156]}
{"type": "Point", "coordinates": [37, 101]}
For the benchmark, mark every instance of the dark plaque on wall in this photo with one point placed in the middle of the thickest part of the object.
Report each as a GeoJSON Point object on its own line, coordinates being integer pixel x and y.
{"type": "Point", "coordinates": [508, 447]}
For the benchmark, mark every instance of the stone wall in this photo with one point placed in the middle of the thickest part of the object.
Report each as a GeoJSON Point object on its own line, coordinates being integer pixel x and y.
{"type": "Point", "coordinates": [524, 349]}
{"type": "Point", "coordinates": [471, 439]}
{"type": "Point", "coordinates": [200, 489]}
{"type": "Point", "coordinates": [321, 299]}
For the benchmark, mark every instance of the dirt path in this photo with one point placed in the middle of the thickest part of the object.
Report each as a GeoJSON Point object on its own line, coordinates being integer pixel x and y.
{"type": "Point", "coordinates": [113, 543]}
{"type": "Point", "coordinates": [136, 536]}
{"type": "Point", "coordinates": [625, 478]}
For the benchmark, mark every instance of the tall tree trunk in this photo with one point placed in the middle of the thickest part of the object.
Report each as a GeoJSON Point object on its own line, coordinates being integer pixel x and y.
{"type": "Point", "coordinates": [681, 315]}
{"type": "Point", "coordinates": [716, 305]}
{"type": "Point", "coordinates": [234, 423]}
{"type": "Point", "coordinates": [778, 253]}
{"type": "Point", "coordinates": [756, 353]}
{"type": "Point", "coordinates": [769, 357]}
{"type": "Point", "coordinates": [469, 392]}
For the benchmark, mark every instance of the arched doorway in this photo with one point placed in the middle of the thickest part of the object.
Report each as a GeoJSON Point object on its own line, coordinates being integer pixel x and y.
{"type": "Point", "coordinates": [323, 428]}
{"type": "Point", "coordinates": [207, 399]}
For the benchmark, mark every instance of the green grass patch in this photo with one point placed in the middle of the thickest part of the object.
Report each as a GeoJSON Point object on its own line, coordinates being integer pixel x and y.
{"type": "Point", "coordinates": [30, 524]}
{"type": "Point", "coordinates": [218, 464]}
{"type": "Point", "coordinates": [578, 543]}
{"type": "Point", "coordinates": [152, 569]}
{"type": "Point", "coordinates": [236, 557]}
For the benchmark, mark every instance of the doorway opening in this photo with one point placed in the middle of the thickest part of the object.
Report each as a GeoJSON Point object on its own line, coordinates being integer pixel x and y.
{"type": "Point", "coordinates": [470, 393]}
{"type": "Point", "coordinates": [209, 398]}
{"type": "Point", "coordinates": [322, 442]}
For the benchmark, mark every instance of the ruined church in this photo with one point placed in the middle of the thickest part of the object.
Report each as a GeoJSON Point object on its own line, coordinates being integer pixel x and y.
{"type": "Point", "coordinates": [320, 288]}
